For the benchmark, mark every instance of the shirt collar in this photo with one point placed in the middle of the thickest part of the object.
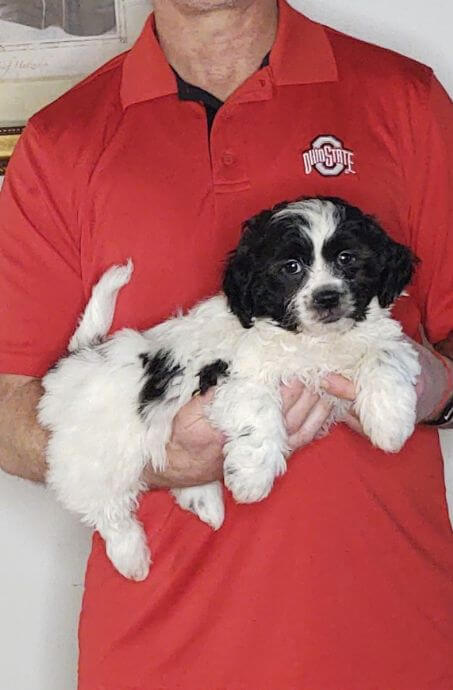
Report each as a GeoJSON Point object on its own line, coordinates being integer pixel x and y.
{"type": "Point", "coordinates": [301, 54]}
{"type": "Point", "coordinates": [146, 72]}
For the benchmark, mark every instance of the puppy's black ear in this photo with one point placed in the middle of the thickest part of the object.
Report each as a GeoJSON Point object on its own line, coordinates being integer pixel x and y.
{"type": "Point", "coordinates": [398, 266]}
{"type": "Point", "coordinates": [241, 269]}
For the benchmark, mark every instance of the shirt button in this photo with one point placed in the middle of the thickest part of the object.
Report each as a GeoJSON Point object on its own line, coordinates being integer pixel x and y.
{"type": "Point", "coordinates": [228, 158]}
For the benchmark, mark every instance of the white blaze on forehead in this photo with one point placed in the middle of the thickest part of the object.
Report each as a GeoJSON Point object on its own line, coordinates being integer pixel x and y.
{"type": "Point", "coordinates": [318, 220]}
{"type": "Point", "coordinates": [322, 218]}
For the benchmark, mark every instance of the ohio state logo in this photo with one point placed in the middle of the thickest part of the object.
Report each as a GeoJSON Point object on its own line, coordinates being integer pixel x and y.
{"type": "Point", "coordinates": [328, 157]}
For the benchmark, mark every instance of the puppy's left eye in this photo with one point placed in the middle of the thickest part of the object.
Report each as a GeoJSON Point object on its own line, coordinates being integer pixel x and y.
{"type": "Point", "coordinates": [292, 267]}
{"type": "Point", "coordinates": [346, 258]}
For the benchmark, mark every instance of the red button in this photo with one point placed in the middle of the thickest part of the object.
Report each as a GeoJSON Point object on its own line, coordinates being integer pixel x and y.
{"type": "Point", "coordinates": [228, 158]}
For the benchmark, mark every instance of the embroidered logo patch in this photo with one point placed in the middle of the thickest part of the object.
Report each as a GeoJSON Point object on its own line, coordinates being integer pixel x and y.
{"type": "Point", "coordinates": [328, 157]}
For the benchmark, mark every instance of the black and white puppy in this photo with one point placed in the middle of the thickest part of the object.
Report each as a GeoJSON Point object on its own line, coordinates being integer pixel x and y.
{"type": "Point", "coordinates": [306, 292]}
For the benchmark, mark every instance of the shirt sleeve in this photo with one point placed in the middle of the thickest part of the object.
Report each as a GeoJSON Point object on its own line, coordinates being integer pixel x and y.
{"type": "Point", "coordinates": [41, 293]}
{"type": "Point", "coordinates": [431, 211]}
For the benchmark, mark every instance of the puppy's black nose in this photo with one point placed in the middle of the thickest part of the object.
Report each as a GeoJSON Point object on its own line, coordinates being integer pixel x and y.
{"type": "Point", "coordinates": [326, 298]}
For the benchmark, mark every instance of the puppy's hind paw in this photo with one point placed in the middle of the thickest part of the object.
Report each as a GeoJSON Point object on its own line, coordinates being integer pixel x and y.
{"type": "Point", "coordinates": [130, 554]}
{"type": "Point", "coordinates": [205, 501]}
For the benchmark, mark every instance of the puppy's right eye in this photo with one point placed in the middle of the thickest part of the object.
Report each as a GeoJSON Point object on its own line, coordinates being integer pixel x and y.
{"type": "Point", "coordinates": [292, 267]}
{"type": "Point", "coordinates": [346, 258]}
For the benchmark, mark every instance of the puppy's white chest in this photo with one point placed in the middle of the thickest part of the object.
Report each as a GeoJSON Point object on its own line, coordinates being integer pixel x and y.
{"type": "Point", "coordinates": [271, 354]}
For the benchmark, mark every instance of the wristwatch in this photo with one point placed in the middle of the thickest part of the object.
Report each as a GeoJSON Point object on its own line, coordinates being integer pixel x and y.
{"type": "Point", "coordinates": [445, 417]}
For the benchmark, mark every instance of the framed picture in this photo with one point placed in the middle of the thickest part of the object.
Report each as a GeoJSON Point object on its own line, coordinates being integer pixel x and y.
{"type": "Point", "coordinates": [47, 46]}
{"type": "Point", "coordinates": [8, 140]}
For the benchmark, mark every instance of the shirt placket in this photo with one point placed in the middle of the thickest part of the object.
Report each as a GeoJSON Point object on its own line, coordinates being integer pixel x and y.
{"type": "Point", "coordinates": [228, 156]}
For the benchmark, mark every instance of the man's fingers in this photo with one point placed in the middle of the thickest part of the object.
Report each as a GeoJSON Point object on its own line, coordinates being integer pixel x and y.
{"type": "Point", "coordinates": [291, 393]}
{"type": "Point", "coordinates": [353, 423]}
{"type": "Point", "coordinates": [311, 426]}
{"type": "Point", "coordinates": [297, 414]}
{"type": "Point", "coordinates": [339, 386]}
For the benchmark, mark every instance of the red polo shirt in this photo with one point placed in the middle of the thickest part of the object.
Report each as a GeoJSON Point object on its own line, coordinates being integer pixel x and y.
{"type": "Point", "coordinates": [342, 578]}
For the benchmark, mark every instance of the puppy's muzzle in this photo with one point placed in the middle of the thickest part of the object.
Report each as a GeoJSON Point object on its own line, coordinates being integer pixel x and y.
{"type": "Point", "coordinates": [326, 302]}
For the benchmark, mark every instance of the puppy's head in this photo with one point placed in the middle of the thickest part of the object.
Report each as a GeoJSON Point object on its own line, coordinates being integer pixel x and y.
{"type": "Point", "coordinates": [314, 265]}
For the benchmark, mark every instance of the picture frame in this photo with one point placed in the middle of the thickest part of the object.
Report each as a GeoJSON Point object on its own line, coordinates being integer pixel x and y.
{"type": "Point", "coordinates": [9, 137]}
{"type": "Point", "coordinates": [47, 46]}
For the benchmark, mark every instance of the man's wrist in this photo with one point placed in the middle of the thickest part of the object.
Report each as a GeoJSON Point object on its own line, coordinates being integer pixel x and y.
{"type": "Point", "coordinates": [445, 347]}
{"type": "Point", "coordinates": [442, 415]}
{"type": "Point", "coordinates": [445, 419]}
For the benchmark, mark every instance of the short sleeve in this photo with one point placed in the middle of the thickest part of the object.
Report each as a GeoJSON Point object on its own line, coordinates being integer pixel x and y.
{"type": "Point", "coordinates": [431, 210]}
{"type": "Point", "coordinates": [41, 293]}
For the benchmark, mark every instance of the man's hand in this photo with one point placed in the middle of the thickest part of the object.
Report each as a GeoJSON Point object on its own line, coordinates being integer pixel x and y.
{"type": "Point", "coordinates": [430, 388]}
{"type": "Point", "coordinates": [194, 453]}
{"type": "Point", "coordinates": [305, 413]}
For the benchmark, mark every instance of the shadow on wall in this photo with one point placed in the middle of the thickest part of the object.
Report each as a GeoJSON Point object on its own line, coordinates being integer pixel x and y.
{"type": "Point", "coordinates": [76, 17]}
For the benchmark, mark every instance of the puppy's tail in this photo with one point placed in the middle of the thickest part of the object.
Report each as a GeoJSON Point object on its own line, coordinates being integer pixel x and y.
{"type": "Point", "coordinates": [98, 315]}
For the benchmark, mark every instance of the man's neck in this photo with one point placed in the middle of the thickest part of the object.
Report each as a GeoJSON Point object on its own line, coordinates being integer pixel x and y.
{"type": "Point", "coordinates": [216, 49]}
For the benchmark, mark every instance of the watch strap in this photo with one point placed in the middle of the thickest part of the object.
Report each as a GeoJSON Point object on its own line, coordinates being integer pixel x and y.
{"type": "Point", "coordinates": [445, 416]}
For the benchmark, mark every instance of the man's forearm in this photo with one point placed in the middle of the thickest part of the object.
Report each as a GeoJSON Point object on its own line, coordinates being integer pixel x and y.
{"type": "Point", "coordinates": [194, 454]}
{"type": "Point", "coordinates": [22, 440]}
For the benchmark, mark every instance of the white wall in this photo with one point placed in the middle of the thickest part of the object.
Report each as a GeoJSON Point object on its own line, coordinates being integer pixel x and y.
{"type": "Point", "coordinates": [43, 549]}
{"type": "Point", "coordinates": [420, 29]}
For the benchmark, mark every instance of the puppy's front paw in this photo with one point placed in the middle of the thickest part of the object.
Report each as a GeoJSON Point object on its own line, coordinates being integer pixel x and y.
{"type": "Point", "coordinates": [129, 553]}
{"type": "Point", "coordinates": [205, 501]}
{"type": "Point", "coordinates": [390, 437]}
{"type": "Point", "coordinates": [249, 482]}
{"type": "Point", "coordinates": [387, 420]}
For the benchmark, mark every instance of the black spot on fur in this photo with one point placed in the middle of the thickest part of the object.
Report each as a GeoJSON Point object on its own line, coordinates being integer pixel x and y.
{"type": "Point", "coordinates": [159, 370]}
{"type": "Point", "coordinates": [246, 431]}
{"type": "Point", "coordinates": [210, 374]}
{"type": "Point", "coordinates": [196, 505]}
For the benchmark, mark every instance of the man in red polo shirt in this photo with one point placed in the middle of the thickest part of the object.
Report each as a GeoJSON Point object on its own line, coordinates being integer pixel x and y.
{"type": "Point", "coordinates": [343, 578]}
